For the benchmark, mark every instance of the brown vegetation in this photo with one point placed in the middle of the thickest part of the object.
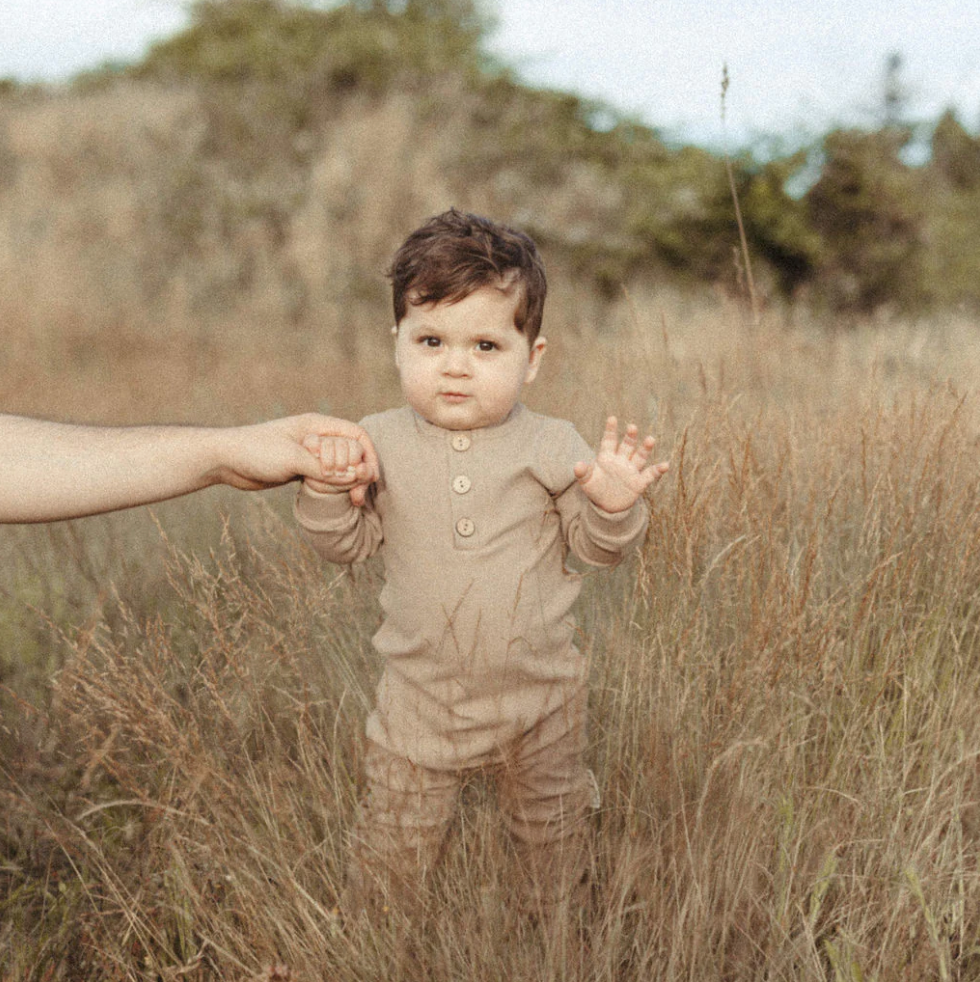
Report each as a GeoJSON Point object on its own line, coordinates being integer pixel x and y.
{"type": "Point", "coordinates": [784, 716]}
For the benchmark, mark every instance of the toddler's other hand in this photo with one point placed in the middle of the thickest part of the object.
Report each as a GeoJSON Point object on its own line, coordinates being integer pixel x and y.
{"type": "Point", "coordinates": [344, 467]}
{"type": "Point", "coordinates": [619, 475]}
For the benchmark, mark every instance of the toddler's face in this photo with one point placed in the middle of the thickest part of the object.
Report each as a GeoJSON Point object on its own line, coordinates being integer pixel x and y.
{"type": "Point", "coordinates": [463, 365]}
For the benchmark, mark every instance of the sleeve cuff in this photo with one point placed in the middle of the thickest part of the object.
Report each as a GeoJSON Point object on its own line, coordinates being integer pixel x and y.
{"type": "Point", "coordinates": [321, 511]}
{"type": "Point", "coordinates": [333, 492]}
{"type": "Point", "coordinates": [618, 526]}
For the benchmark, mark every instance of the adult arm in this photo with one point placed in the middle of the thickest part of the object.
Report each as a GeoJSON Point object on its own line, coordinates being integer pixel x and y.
{"type": "Point", "coordinates": [51, 471]}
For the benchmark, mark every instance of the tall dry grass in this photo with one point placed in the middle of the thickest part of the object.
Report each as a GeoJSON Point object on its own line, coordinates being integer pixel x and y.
{"type": "Point", "coordinates": [784, 712]}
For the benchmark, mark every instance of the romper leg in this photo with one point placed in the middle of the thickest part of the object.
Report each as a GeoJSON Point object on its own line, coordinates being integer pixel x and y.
{"type": "Point", "coordinates": [546, 794]}
{"type": "Point", "coordinates": [399, 834]}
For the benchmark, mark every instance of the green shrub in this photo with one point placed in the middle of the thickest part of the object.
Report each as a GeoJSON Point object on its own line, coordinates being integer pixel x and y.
{"type": "Point", "coordinates": [867, 207]}
{"type": "Point", "coordinates": [955, 154]}
{"type": "Point", "coordinates": [607, 195]}
{"type": "Point", "coordinates": [353, 45]}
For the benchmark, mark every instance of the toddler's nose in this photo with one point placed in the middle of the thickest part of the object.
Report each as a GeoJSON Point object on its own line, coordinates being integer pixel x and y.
{"type": "Point", "coordinates": [456, 363]}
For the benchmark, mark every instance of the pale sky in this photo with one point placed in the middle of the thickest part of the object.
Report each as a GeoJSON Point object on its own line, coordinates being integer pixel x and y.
{"type": "Point", "coordinates": [796, 68]}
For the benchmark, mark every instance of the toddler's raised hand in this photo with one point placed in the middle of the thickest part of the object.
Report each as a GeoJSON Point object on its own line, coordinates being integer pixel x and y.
{"type": "Point", "coordinates": [344, 465]}
{"type": "Point", "coordinates": [619, 474]}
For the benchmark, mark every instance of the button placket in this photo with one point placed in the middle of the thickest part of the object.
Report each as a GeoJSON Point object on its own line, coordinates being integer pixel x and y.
{"type": "Point", "coordinates": [464, 525]}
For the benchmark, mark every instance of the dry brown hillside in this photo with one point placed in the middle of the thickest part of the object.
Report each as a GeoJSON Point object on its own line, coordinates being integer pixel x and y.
{"type": "Point", "coordinates": [125, 215]}
{"type": "Point", "coordinates": [785, 725]}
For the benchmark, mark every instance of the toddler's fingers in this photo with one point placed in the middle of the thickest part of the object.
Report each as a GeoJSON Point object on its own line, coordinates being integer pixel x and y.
{"type": "Point", "coordinates": [358, 455]}
{"type": "Point", "coordinates": [628, 445]}
{"type": "Point", "coordinates": [348, 454]}
{"type": "Point", "coordinates": [609, 434]}
{"type": "Point", "coordinates": [341, 460]}
{"type": "Point", "coordinates": [328, 455]}
{"type": "Point", "coordinates": [654, 472]}
{"type": "Point", "coordinates": [643, 451]}
{"type": "Point", "coordinates": [355, 457]}
{"type": "Point", "coordinates": [366, 467]}
{"type": "Point", "coordinates": [311, 442]}
{"type": "Point", "coordinates": [370, 457]}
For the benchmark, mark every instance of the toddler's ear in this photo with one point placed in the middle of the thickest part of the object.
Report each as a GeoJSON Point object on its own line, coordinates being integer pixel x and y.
{"type": "Point", "coordinates": [534, 361]}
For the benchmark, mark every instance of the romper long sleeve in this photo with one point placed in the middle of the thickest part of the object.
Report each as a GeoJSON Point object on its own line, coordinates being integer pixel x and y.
{"type": "Point", "coordinates": [473, 527]}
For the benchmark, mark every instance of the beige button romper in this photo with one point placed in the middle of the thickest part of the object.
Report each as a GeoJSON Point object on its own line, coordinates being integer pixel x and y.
{"type": "Point", "coordinates": [480, 668]}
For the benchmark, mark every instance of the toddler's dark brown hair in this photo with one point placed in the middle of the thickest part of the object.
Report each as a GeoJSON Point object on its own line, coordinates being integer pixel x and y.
{"type": "Point", "coordinates": [455, 253]}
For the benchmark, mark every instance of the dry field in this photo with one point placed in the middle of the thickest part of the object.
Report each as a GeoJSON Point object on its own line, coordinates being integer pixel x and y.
{"type": "Point", "coordinates": [785, 715]}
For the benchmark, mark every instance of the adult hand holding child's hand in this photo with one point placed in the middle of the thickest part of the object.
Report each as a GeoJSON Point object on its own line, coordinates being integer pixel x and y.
{"type": "Point", "coordinates": [345, 467]}
{"type": "Point", "coordinates": [619, 474]}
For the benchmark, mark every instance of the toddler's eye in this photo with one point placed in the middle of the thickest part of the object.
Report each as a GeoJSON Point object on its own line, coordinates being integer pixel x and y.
{"type": "Point", "coordinates": [429, 341]}
{"type": "Point", "coordinates": [486, 346]}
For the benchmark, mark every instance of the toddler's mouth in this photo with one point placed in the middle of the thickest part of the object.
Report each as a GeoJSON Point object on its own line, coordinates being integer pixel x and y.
{"type": "Point", "coordinates": [454, 396]}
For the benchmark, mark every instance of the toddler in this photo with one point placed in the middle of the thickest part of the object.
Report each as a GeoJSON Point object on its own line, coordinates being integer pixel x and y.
{"type": "Point", "coordinates": [477, 504]}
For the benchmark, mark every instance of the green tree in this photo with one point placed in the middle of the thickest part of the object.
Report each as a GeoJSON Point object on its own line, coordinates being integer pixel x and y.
{"type": "Point", "coordinates": [954, 211]}
{"type": "Point", "coordinates": [778, 225]}
{"type": "Point", "coordinates": [867, 208]}
{"type": "Point", "coordinates": [359, 44]}
{"type": "Point", "coordinates": [895, 94]}
{"type": "Point", "coordinates": [955, 154]}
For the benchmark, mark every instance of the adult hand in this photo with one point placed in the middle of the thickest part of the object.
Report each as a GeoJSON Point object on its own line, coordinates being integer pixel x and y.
{"type": "Point", "coordinates": [268, 454]}
{"type": "Point", "coordinates": [51, 471]}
